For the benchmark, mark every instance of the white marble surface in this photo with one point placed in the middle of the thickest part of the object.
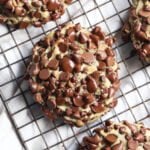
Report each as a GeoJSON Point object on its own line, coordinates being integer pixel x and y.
{"type": "Point", "coordinates": [8, 138]}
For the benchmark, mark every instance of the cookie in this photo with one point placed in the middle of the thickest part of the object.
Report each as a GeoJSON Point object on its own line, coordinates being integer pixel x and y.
{"type": "Point", "coordinates": [22, 13]}
{"type": "Point", "coordinates": [118, 136]}
{"type": "Point", "coordinates": [137, 28]}
{"type": "Point", "coordinates": [73, 74]}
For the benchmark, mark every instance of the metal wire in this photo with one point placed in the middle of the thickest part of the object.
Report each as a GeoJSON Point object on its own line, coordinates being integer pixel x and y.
{"type": "Point", "coordinates": [62, 142]}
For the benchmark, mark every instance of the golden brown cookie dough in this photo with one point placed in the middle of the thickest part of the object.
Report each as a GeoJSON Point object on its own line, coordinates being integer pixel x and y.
{"type": "Point", "coordinates": [22, 13]}
{"type": "Point", "coordinates": [73, 74]}
{"type": "Point", "coordinates": [138, 28]}
{"type": "Point", "coordinates": [118, 136]}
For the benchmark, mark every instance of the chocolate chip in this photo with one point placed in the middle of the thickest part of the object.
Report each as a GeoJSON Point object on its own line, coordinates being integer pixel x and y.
{"type": "Point", "coordinates": [110, 52]}
{"type": "Point", "coordinates": [139, 137]}
{"type": "Point", "coordinates": [36, 58]}
{"type": "Point", "coordinates": [77, 27]}
{"type": "Point", "coordinates": [2, 19]}
{"type": "Point", "coordinates": [63, 47]}
{"type": "Point", "coordinates": [88, 57]}
{"type": "Point", "coordinates": [95, 39]}
{"type": "Point", "coordinates": [69, 93]}
{"type": "Point", "coordinates": [110, 61]}
{"type": "Point", "coordinates": [113, 103]}
{"type": "Point", "coordinates": [33, 86]}
{"type": "Point", "coordinates": [52, 84]}
{"type": "Point", "coordinates": [76, 58]}
{"type": "Point", "coordinates": [107, 148]}
{"type": "Point", "coordinates": [94, 139]}
{"type": "Point", "coordinates": [82, 38]}
{"type": "Point", "coordinates": [98, 108]}
{"type": "Point", "coordinates": [89, 98]}
{"type": "Point", "coordinates": [52, 5]}
{"type": "Point", "coordinates": [122, 130]}
{"type": "Point", "coordinates": [3, 1]}
{"type": "Point", "coordinates": [116, 84]}
{"type": "Point", "coordinates": [64, 76]}
{"type": "Point", "coordinates": [48, 113]}
{"type": "Point", "coordinates": [97, 31]}
{"type": "Point", "coordinates": [67, 64]}
{"type": "Point", "coordinates": [141, 35]}
{"type": "Point", "coordinates": [143, 13]}
{"type": "Point", "coordinates": [38, 98]}
{"type": "Point", "coordinates": [34, 69]}
{"type": "Point", "coordinates": [71, 34]}
{"type": "Point", "coordinates": [111, 91]}
{"type": "Point", "coordinates": [96, 75]}
{"type": "Point", "coordinates": [109, 41]}
{"type": "Point", "coordinates": [132, 144]}
{"type": "Point", "coordinates": [51, 103]}
{"type": "Point", "coordinates": [101, 55]}
{"type": "Point", "coordinates": [118, 146]}
{"type": "Point", "coordinates": [74, 47]}
{"type": "Point", "coordinates": [132, 127]}
{"type": "Point", "coordinates": [146, 146]}
{"type": "Point", "coordinates": [78, 101]}
{"type": "Point", "coordinates": [53, 64]}
{"type": "Point", "coordinates": [111, 138]}
{"type": "Point", "coordinates": [69, 111]}
{"type": "Point", "coordinates": [60, 100]}
{"type": "Point", "coordinates": [44, 74]}
{"type": "Point", "coordinates": [146, 47]}
{"type": "Point", "coordinates": [77, 68]}
{"type": "Point", "coordinates": [20, 11]}
{"type": "Point", "coordinates": [91, 84]}
{"type": "Point", "coordinates": [102, 65]}
{"type": "Point", "coordinates": [77, 115]}
{"type": "Point", "coordinates": [112, 76]}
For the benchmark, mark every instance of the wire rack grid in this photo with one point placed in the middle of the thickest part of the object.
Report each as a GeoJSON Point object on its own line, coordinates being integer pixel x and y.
{"type": "Point", "coordinates": [34, 131]}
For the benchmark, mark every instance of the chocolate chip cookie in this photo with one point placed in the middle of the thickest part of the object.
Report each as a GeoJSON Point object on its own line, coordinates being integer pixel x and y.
{"type": "Point", "coordinates": [73, 74]}
{"type": "Point", "coordinates": [138, 28]}
{"type": "Point", "coordinates": [22, 13]}
{"type": "Point", "coordinates": [118, 136]}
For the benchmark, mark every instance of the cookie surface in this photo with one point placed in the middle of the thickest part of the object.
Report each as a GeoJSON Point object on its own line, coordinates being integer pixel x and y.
{"type": "Point", "coordinates": [73, 74]}
{"type": "Point", "coordinates": [138, 28]}
{"type": "Point", "coordinates": [22, 13]}
{"type": "Point", "coordinates": [118, 136]}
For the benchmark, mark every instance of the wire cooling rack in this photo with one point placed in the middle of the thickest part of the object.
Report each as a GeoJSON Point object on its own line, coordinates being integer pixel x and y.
{"type": "Point", "coordinates": [34, 131]}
